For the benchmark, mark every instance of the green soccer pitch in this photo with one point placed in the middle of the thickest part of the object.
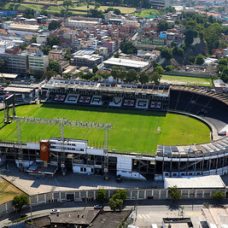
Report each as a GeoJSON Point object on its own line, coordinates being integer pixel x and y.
{"type": "Point", "coordinates": [132, 131]}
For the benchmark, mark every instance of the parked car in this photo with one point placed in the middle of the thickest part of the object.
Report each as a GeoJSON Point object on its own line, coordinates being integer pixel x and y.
{"type": "Point", "coordinates": [119, 178]}
{"type": "Point", "coordinates": [98, 207]}
{"type": "Point", "coordinates": [55, 211]}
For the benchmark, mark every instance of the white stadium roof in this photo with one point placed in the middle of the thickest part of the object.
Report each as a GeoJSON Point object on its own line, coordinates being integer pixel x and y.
{"type": "Point", "coordinates": [213, 181]}
{"type": "Point", "coordinates": [126, 63]}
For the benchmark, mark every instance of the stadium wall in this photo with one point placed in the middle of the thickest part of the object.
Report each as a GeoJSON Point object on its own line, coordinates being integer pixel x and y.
{"type": "Point", "coordinates": [132, 195]}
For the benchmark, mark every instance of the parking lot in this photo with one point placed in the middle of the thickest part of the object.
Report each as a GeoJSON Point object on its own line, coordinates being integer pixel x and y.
{"type": "Point", "coordinates": [39, 184]}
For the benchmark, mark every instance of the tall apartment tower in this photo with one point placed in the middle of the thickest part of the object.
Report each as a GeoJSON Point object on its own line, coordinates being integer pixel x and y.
{"type": "Point", "coordinates": [226, 7]}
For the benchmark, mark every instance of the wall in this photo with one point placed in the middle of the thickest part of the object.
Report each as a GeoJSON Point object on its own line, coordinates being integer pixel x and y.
{"type": "Point", "coordinates": [132, 194]}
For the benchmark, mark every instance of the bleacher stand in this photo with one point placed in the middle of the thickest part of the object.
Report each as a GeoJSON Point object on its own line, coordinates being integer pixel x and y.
{"type": "Point", "coordinates": [142, 103]}
{"type": "Point", "coordinates": [72, 98]}
{"type": "Point", "coordinates": [199, 102]}
{"type": "Point", "coordinates": [84, 99]}
{"type": "Point", "coordinates": [130, 103]}
{"type": "Point", "coordinates": [102, 94]}
{"type": "Point", "coordinates": [59, 98]}
{"type": "Point", "coordinates": [116, 102]}
{"type": "Point", "coordinates": [96, 100]}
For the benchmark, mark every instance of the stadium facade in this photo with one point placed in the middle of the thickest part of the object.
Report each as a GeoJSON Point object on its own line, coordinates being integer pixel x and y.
{"type": "Point", "coordinates": [50, 155]}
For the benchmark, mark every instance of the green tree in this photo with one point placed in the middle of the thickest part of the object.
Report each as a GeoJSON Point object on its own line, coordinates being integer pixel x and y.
{"type": "Point", "coordinates": [131, 76]}
{"type": "Point", "coordinates": [101, 195]}
{"type": "Point", "coordinates": [159, 69]}
{"type": "Point", "coordinates": [178, 52]}
{"type": "Point", "coordinates": [166, 53]}
{"type": "Point", "coordinates": [212, 36]}
{"type": "Point", "coordinates": [120, 194]}
{"type": "Point", "coordinates": [116, 11]}
{"type": "Point", "coordinates": [87, 76]}
{"type": "Point", "coordinates": [95, 69]}
{"type": "Point", "coordinates": [67, 4]}
{"type": "Point", "coordinates": [127, 47]}
{"type": "Point", "coordinates": [199, 60]}
{"type": "Point", "coordinates": [169, 68]}
{"type": "Point", "coordinates": [112, 204]}
{"type": "Point", "coordinates": [2, 64]}
{"type": "Point", "coordinates": [29, 13]}
{"type": "Point", "coordinates": [224, 74]}
{"type": "Point", "coordinates": [54, 66]}
{"type": "Point", "coordinates": [44, 12]}
{"type": "Point", "coordinates": [97, 5]}
{"type": "Point", "coordinates": [67, 55]}
{"type": "Point", "coordinates": [20, 201]}
{"type": "Point", "coordinates": [218, 195]}
{"type": "Point", "coordinates": [155, 77]}
{"type": "Point", "coordinates": [53, 25]}
{"type": "Point", "coordinates": [118, 73]}
{"type": "Point", "coordinates": [143, 78]}
{"type": "Point", "coordinates": [162, 26]}
{"type": "Point", "coordinates": [115, 203]}
{"type": "Point", "coordinates": [170, 9]}
{"type": "Point", "coordinates": [33, 40]}
{"type": "Point", "coordinates": [190, 34]}
{"type": "Point", "coordinates": [49, 74]}
{"type": "Point", "coordinates": [53, 40]}
{"type": "Point", "coordinates": [96, 13]}
{"type": "Point", "coordinates": [46, 49]}
{"type": "Point", "coordinates": [174, 193]}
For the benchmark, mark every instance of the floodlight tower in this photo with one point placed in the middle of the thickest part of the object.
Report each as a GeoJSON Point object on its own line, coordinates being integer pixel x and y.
{"type": "Point", "coordinates": [9, 102]}
{"type": "Point", "coordinates": [106, 129]}
{"type": "Point", "coordinates": [62, 123]}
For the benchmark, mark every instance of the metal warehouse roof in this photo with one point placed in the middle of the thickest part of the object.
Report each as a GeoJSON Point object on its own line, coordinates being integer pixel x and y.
{"type": "Point", "coordinates": [126, 62]}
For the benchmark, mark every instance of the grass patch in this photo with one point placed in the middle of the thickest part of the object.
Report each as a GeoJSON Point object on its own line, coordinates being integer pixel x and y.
{"type": "Point", "coordinates": [123, 10]}
{"type": "Point", "coordinates": [21, 7]}
{"type": "Point", "coordinates": [187, 80]}
{"type": "Point", "coordinates": [7, 191]}
{"type": "Point", "coordinates": [57, 9]}
{"type": "Point", "coordinates": [148, 13]}
{"type": "Point", "coordinates": [133, 131]}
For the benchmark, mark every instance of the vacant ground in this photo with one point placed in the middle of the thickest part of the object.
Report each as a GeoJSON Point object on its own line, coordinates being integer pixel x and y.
{"type": "Point", "coordinates": [181, 80]}
{"type": "Point", "coordinates": [148, 13]}
{"type": "Point", "coordinates": [76, 9]}
{"type": "Point", "coordinates": [7, 191]}
{"type": "Point", "coordinates": [132, 131]}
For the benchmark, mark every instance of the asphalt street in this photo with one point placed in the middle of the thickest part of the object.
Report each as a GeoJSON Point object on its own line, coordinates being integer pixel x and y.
{"type": "Point", "coordinates": [145, 211]}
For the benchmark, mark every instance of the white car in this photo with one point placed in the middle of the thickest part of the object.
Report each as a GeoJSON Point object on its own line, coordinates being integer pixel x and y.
{"type": "Point", "coordinates": [55, 211]}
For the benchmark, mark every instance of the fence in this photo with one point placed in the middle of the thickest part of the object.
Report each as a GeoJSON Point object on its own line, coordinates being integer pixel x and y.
{"type": "Point", "coordinates": [132, 194]}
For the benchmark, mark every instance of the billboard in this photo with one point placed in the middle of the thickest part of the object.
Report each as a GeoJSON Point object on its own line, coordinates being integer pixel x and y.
{"type": "Point", "coordinates": [44, 150]}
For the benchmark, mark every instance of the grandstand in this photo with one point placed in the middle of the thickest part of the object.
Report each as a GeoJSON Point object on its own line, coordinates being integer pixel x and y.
{"type": "Point", "coordinates": [150, 97]}
{"type": "Point", "coordinates": [170, 161]}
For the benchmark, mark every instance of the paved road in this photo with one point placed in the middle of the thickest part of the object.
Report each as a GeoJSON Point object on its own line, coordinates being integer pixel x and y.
{"type": "Point", "coordinates": [145, 210]}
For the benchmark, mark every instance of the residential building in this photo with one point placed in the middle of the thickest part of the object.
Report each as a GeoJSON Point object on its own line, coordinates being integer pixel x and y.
{"type": "Point", "coordinates": [56, 54]}
{"type": "Point", "coordinates": [38, 63]}
{"type": "Point", "coordinates": [87, 60]}
{"type": "Point", "coordinates": [15, 63]}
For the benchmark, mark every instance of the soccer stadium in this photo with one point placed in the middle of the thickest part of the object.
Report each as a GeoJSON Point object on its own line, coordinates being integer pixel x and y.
{"type": "Point", "coordinates": [132, 131]}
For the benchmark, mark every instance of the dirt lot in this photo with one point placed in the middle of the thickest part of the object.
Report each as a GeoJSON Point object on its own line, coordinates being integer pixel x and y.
{"type": "Point", "coordinates": [7, 191]}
